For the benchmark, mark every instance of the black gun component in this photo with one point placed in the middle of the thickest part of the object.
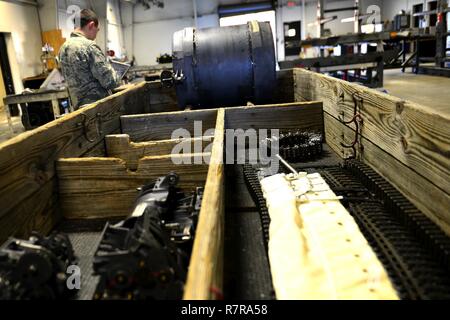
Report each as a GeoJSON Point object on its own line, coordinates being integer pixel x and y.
{"type": "Point", "coordinates": [36, 268]}
{"type": "Point", "coordinates": [146, 255]}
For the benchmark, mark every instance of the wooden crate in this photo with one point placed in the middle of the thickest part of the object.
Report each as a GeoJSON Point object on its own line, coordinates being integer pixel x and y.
{"type": "Point", "coordinates": [406, 143]}
{"type": "Point", "coordinates": [123, 141]}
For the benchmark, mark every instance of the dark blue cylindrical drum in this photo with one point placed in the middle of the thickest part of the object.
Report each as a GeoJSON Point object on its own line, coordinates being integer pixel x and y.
{"type": "Point", "coordinates": [227, 66]}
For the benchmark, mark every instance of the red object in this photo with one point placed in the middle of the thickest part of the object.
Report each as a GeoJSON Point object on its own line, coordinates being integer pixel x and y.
{"type": "Point", "coordinates": [291, 4]}
{"type": "Point", "coordinates": [217, 292]}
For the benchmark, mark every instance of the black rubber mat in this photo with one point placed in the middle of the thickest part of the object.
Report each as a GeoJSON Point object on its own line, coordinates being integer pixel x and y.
{"type": "Point", "coordinates": [84, 245]}
{"type": "Point", "coordinates": [85, 237]}
{"type": "Point", "coordinates": [246, 267]}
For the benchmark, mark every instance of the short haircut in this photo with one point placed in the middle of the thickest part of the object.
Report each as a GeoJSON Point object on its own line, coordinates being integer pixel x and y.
{"type": "Point", "coordinates": [86, 16]}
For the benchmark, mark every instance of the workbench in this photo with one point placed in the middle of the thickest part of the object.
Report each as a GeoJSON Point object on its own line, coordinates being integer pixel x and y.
{"type": "Point", "coordinates": [24, 99]}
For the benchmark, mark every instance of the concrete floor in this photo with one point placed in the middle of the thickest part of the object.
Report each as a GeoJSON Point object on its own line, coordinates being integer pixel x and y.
{"type": "Point", "coordinates": [427, 90]}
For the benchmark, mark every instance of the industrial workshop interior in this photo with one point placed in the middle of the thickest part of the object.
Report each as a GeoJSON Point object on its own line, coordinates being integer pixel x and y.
{"type": "Point", "coordinates": [225, 150]}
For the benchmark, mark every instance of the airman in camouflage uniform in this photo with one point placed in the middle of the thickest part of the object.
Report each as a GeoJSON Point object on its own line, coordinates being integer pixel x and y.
{"type": "Point", "coordinates": [88, 74]}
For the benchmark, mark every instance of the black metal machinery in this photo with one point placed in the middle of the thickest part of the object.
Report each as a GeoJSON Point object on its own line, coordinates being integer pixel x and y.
{"type": "Point", "coordinates": [226, 66]}
{"type": "Point", "coordinates": [146, 256]}
{"type": "Point", "coordinates": [36, 268]}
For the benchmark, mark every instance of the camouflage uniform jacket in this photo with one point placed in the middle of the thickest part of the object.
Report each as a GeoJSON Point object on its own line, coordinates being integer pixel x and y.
{"type": "Point", "coordinates": [89, 76]}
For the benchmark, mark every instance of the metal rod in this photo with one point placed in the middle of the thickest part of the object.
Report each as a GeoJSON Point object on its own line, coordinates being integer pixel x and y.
{"type": "Point", "coordinates": [356, 26]}
{"type": "Point", "coordinates": [319, 17]}
{"type": "Point", "coordinates": [287, 164]}
{"type": "Point", "coordinates": [340, 9]}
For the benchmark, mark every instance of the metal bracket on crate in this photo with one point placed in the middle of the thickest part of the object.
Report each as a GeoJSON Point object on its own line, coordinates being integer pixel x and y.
{"type": "Point", "coordinates": [358, 121]}
{"type": "Point", "coordinates": [85, 125]}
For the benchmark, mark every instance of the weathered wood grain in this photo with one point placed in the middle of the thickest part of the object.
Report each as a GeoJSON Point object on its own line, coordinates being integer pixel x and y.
{"type": "Point", "coordinates": [284, 92]}
{"type": "Point", "coordinates": [295, 115]}
{"type": "Point", "coordinates": [104, 187]}
{"type": "Point", "coordinates": [159, 126]}
{"type": "Point", "coordinates": [162, 99]}
{"type": "Point", "coordinates": [425, 195]}
{"type": "Point", "coordinates": [27, 162]}
{"type": "Point", "coordinates": [205, 275]}
{"type": "Point", "coordinates": [120, 146]}
{"type": "Point", "coordinates": [416, 135]}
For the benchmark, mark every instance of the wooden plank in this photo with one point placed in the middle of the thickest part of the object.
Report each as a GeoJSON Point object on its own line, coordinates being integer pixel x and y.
{"type": "Point", "coordinates": [36, 97]}
{"type": "Point", "coordinates": [97, 151]}
{"type": "Point", "coordinates": [27, 162]}
{"type": "Point", "coordinates": [425, 195]}
{"type": "Point", "coordinates": [205, 275]}
{"type": "Point", "coordinates": [284, 91]}
{"type": "Point", "coordinates": [55, 107]}
{"type": "Point", "coordinates": [163, 99]}
{"type": "Point", "coordinates": [415, 135]}
{"type": "Point", "coordinates": [104, 187]}
{"type": "Point", "coordinates": [120, 146]}
{"type": "Point", "coordinates": [46, 213]}
{"type": "Point", "coordinates": [159, 126]}
{"type": "Point", "coordinates": [295, 115]}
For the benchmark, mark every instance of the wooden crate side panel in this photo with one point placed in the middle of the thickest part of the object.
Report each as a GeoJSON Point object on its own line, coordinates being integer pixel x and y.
{"type": "Point", "coordinates": [205, 275]}
{"type": "Point", "coordinates": [428, 198]}
{"type": "Point", "coordinates": [27, 162]}
{"type": "Point", "coordinates": [296, 115]}
{"type": "Point", "coordinates": [284, 92]}
{"type": "Point", "coordinates": [104, 187]}
{"type": "Point", "coordinates": [162, 99]}
{"type": "Point", "coordinates": [160, 126]}
{"type": "Point", "coordinates": [415, 135]}
{"type": "Point", "coordinates": [120, 146]}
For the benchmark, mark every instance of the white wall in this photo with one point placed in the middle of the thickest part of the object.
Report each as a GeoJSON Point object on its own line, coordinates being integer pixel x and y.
{"type": "Point", "coordinates": [152, 31]}
{"type": "Point", "coordinates": [21, 23]}
{"type": "Point", "coordinates": [154, 38]}
{"type": "Point", "coordinates": [48, 14]}
{"type": "Point", "coordinates": [65, 18]}
{"type": "Point", "coordinates": [127, 22]}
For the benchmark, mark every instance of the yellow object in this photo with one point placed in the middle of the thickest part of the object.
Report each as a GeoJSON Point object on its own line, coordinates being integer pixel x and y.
{"type": "Point", "coordinates": [254, 26]}
{"type": "Point", "coordinates": [316, 250]}
{"type": "Point", "coordinates": [55, 39]}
